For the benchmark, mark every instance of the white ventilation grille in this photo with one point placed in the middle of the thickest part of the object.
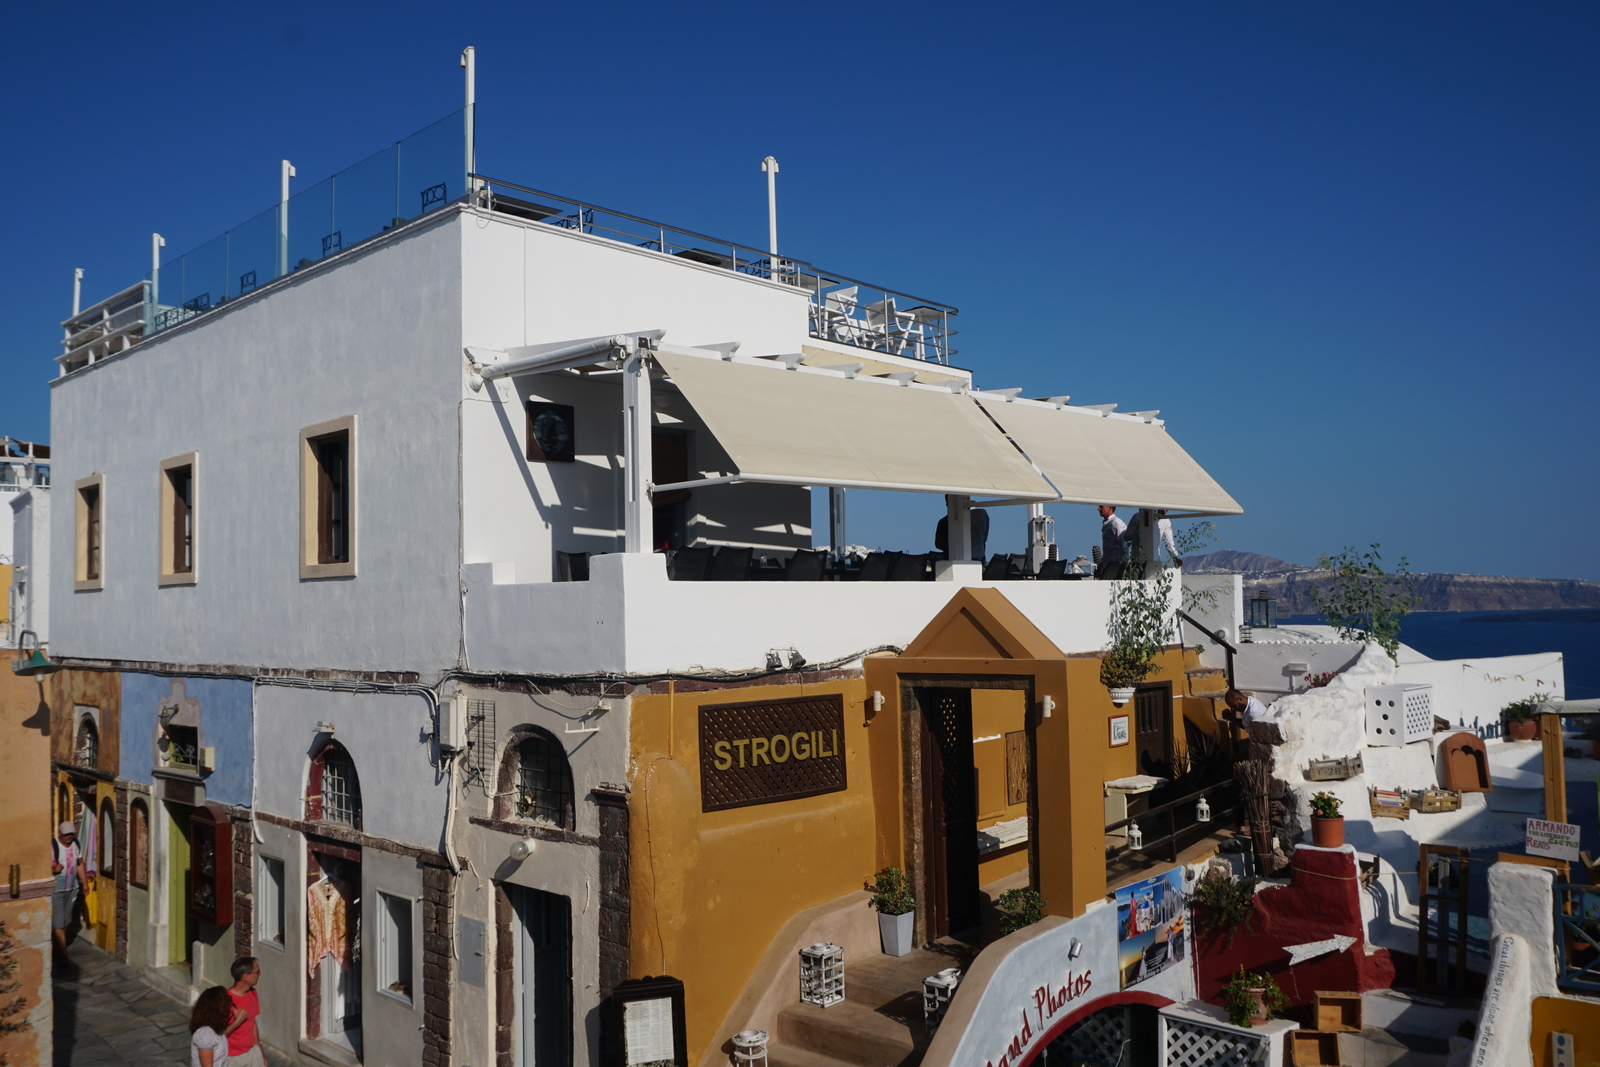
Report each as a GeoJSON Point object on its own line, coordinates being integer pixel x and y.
{"type": "Point", "coordinates": [1193, 1044]}
{"type": "Point", "coordinates": [1398, 714]}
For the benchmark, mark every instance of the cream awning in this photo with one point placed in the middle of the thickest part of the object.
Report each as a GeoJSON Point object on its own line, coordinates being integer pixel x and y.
{"type": "Point", "coordinates": [805, 428]}
{"type": "Point", "coordinates": [1094, 459]}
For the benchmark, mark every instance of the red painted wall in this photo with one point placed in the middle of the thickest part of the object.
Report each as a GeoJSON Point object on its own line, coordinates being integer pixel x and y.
{"type": "Point", "coordinates": [1322, 899]}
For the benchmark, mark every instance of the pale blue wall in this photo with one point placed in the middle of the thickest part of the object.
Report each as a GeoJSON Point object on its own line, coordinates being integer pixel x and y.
{"type": "Point", "coordinates": [225, 724]}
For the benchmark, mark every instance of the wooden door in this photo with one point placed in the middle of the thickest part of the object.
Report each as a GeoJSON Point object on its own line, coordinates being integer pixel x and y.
{"type": "Point", "coordinates": [950, 811]}
{"type": "Point", "coordinates": [1152, 717]}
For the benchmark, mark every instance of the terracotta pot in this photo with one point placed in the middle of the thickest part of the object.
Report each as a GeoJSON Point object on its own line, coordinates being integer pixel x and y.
{"type": "Point", "coordinates": [1522, 729]}
{"type": "Point", "coordinates": [1327, 833]}
{"type": "Point", "coordinates": [1258, 1003]}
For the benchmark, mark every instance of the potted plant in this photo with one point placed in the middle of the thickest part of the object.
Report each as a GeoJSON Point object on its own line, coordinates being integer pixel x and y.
{"type": "Point", "coordinates": [1120, 671]}
{"type": "Point", "coordinates": [1251, 999]}
{"type": "Point", "coordinates": [1224, 905]}
{"type": "Point", "coordinates": [1019, 908]}
{"type": "Point", "coordinates": [1327, 825]}
{"type": "Point", "coordinates": [1520, 723]}
{"type": "Point", "coordinates": [896, 908]}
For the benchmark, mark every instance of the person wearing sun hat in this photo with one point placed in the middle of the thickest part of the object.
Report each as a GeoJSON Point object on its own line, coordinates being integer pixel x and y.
{"type": "Point", "coordinates": [66, 863]}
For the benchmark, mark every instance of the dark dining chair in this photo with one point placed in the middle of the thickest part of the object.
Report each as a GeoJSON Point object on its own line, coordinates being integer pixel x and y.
{"type": "Point", "coordinates": [908, 568]}
{"type": "Point", "coordinates": [806, 565]}
{"type": "Point", "coordinates": [998, 569]}
{"type": "Point", "coordinates": [1052, 569]}
{"type": "Point", "coordinates": [876, 567]}
{"type": "Point", "coordinates": [689, 565]}
{"type": "Point", "coordinates": [730, 564]}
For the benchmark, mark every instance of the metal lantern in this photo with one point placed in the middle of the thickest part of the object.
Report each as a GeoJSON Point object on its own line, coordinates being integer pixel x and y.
{"type": "Point", "coordinates": [822, 974]}
{"type": "Point", "coordinates": [937, 992]}
{"type": "Point", "coordinates": [750, 1048]}
{"type": "Point", "coordinates": [1263, 610]}
{"type": "Point", "coordinates": [1135, 837]}
{"type": "Point", "coordinates": [1202, 810]}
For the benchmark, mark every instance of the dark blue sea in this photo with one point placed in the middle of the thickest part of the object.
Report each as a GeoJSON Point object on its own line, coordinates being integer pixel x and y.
{"type": "Point", "coordinates": [1574, 632]}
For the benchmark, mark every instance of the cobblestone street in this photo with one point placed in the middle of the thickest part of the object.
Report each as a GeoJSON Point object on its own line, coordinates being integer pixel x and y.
{"type": "Point", "coordinates": [105, 1015]}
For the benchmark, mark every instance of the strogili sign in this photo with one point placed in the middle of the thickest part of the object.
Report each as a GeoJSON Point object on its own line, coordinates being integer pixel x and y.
{"type": "Point", "coordinates": [1552, 840]}
{"type": "Point", "coordinates": [769, 751]}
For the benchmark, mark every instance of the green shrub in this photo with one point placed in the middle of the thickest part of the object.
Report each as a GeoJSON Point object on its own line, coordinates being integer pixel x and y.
{"type": "Point", "coordinates": [890, 894]}
{"type": "Point", "coordinates": [1019, 908]}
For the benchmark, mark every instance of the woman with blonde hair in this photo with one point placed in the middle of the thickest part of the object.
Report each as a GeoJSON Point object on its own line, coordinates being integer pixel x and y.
{"type": "Point", "coordinates": [208, 1022]}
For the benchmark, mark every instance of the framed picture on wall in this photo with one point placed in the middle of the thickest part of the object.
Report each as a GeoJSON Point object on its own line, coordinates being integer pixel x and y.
{"type": "Point", "coordinates": [1119, 730]}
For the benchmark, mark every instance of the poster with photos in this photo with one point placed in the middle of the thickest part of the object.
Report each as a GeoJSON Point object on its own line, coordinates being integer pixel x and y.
{"type": "Point", "coordinates": [1150, 927]}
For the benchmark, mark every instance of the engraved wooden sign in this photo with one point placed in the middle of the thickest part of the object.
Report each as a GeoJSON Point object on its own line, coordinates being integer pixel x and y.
{"type": "Point", "coordinates": [770, 751]}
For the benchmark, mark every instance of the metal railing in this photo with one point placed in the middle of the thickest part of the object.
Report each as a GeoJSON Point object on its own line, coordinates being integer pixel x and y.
{"type": "Point", "coordinates": [843, 309]}
{"type": "Point", "coordinates": [1218, 638]}
{"type": "Point", "coordinates": [1170, 809]}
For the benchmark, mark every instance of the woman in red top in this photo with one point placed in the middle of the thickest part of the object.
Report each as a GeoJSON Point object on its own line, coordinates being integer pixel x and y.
{"type": "Point", "coordinates": [244, 1049]}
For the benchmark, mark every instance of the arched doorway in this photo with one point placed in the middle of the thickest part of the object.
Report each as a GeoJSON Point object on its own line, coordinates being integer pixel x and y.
{"type": "Point", "coordinates": [1125, 1034]}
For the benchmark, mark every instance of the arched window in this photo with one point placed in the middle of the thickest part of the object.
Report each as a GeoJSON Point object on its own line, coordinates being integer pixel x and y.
{"type": "Point", "coordinates": [86, 751]}
{"type": "Point", "coordinates": [536, 780]}
{"type": "Point", "coordinates": [139, 844]}
{"type": "Point", "coordinates": [333, 793]}
{"type": "Point", "coordinates": [108, 837]}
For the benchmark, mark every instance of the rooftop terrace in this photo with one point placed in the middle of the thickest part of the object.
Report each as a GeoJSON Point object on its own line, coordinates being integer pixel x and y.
{"type": "Point", "coordinates": [425, 173]}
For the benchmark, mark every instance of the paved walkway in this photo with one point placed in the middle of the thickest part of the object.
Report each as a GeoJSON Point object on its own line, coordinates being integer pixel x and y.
{"type": "Point", "coordinates": [105, 1015]}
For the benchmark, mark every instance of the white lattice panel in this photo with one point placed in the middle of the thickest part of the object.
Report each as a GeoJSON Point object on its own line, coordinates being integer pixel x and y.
{"type": "Point", "coordinates": [1101, 1035]}
{"type": "Point", "coordinates": [1194, 1045]}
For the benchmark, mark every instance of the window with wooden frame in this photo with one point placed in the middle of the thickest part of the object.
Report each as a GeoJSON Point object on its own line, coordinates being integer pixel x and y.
{"type": "Point", "coordinates": [139, 844]}
{"type": "Point", "coordinates": [89, 565]}
{"type": "Point", "coordinates": [328, 499]}
{"type": "Point", "coordinates": [177, 515]}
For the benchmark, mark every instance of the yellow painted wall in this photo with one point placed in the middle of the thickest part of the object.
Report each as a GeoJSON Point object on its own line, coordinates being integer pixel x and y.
{"type": "Point", "coordinates": [1580, 1018]}
{"type": "Point", "coordinates": [710, 890]}
{"type": "Point", "coordinates": [995, 713]}
{"type": "Point", "coordinates": [25, 792]}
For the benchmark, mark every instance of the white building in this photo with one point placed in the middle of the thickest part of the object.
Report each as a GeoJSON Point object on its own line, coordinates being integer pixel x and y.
{"type": "Point", "coordinates": [395, 521]}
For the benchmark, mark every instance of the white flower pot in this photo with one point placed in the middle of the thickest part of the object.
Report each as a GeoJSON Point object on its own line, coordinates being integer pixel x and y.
{"type": "Point", "coordinates": [895, 930]}
{"type": "Point", "coordinates": [1120, 697]}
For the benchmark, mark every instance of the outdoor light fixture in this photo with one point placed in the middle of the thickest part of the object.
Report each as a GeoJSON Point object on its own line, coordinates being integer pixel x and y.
{"type": "Point", "coordinates": [1263, 610]}
{"type": "Point", "coordinates": [877, 701]}
{"type": "Point", "coordinates": [1048, 704]}
{"type": "Point", "coordinates": [324, 727]}
{"type": "Point", "coordinates": [522, 849]}
{"type": "Point", "coordinates": [1075, 949]}
{"type": "Point", "coordinates": [1202, 810]}
{"type": "Point", "coordinates": [32, 663]}
{"type": "Point", "coordinates": [1135, 838]}
{"type": "Point", "coordinates": [822, 974]}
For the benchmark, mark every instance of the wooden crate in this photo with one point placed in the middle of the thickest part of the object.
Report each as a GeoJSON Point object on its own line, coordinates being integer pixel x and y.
{"type": "Point", "coordinates": [1388, 804]}
{"type": "Point", "coordinates": [1338, 1012]}
{"type": "Point", "coordinates": [1334, 770]}
{"type": "Point", "coordinates": [1313, 1048]}
{"type": "Point", "coordinates": [1431, 800]}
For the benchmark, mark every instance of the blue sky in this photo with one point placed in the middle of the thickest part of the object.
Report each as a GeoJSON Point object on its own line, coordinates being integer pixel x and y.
{"type": "Point", "coordinates": [1348, 250]}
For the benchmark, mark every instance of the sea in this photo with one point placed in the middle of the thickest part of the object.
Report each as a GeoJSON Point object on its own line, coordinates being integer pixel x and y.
{"type": "Point", "coordinates": [1574, 632]}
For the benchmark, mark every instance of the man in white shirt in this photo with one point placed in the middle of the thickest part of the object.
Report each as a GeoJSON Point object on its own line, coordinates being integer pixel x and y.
{"type": "Point", "coordinates": [1113, 548]}
{"type": "Point", "coordinates": [66, 863]}
{"type": "Point", "coordinates": [1164, 538]}
{"type": "Point", "coordinates": [1248, 708]}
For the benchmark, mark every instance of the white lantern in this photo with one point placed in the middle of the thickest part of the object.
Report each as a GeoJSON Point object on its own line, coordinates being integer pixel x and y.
{"type": "Point", "coordinates": [1135, 838]}
{"type": "Point", "coordinates": [937, 992]}
{"type": "Point", "coordinates": [822, 974]}
{"type": "Point", "coordinates": [1202, 810]}
{"type": "Point", "coordinates": [750, 1048]}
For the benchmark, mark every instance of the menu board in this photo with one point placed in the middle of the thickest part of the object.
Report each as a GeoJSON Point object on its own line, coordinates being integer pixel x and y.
{"type": "Point", "coordinates": [647, 1031]}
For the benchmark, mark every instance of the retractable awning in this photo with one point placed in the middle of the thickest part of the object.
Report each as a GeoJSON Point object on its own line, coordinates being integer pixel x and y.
{"type": "Point", "coordinates": [808, 428]}
{"type": "Point", "coordinates": [1095, 459]}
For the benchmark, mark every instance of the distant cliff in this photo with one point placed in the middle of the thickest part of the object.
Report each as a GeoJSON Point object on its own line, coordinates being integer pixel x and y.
{"type": "Point", "coordinates": [1289, 582]}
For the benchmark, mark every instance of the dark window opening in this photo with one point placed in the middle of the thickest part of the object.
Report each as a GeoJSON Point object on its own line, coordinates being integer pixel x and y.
{"type": "Point", "coordinates": [333, 497]}
{"type": "Point", "coordinates": [181, 482]}
{"type": "Point", "coordinates": [86, 753]}
{"type": "Point", "coordinates": [544, 782]}
{"type": "Point", "coordinates": [90, 495]}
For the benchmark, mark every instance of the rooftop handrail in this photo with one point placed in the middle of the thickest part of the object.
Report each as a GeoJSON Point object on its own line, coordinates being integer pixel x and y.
{"type": "Point", "coordinates": [1218, 638]}
{"type": "Point", "coordinates": [1169, 809]}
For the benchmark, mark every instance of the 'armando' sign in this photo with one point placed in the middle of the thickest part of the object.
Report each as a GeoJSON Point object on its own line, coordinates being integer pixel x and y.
{"type": "Point", "coordinates": [775, 750]}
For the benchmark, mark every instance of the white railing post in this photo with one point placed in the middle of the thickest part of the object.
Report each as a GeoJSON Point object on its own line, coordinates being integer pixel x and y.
{"type": "Point", "coordinates": [638, 522]}
{"type": "Point", "coordinates": [286, 171]}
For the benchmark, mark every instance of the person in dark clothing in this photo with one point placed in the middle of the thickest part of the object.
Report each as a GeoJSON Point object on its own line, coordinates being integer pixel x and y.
{"type": "Point", "coordinates": [980, 534]}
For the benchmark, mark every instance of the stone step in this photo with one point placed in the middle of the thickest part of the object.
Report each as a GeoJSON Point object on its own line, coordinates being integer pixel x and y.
{"type": "Point", "coordinates": [851, 1033]}
{"type": "Point", "coordinates": [1207, 681]}
{"type": "Point", "coordinates": [885, 979]}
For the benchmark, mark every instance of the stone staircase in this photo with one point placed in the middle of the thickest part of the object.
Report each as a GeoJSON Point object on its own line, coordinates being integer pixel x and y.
{"type": "Point", "coordinates": [878, 1024]}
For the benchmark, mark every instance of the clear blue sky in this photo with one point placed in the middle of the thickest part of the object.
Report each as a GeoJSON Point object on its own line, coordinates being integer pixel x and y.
{"type": "Point", "coordinates": [1348, 250]}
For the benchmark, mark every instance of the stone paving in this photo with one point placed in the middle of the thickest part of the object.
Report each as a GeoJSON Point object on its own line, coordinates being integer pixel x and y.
{"type": "Point", "coordinates": [104, 1015]}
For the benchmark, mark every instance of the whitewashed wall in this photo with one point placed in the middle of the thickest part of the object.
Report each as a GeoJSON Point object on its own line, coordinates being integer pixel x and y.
{"type": "Point", "coordinates": [30, 558]}
{"type": "Point", "coordinates": [389, 738]}
{"type": "Point", "coordinates": [629, 617]}
{"type": "Point", "coordinates": [376, 335]}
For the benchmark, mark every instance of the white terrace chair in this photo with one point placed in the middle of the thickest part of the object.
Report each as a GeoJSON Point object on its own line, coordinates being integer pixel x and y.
{"type": "Point", "coordinates": [839, 309]}
{"type": "Point", "coordinates": [893, 331]}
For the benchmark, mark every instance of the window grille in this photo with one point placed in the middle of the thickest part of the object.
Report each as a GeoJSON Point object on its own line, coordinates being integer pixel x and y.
{"type": "Point", "coordinates": [481, 734]}
{"type": "Point", "coordinates": [87, 750]}
{"type": "Point", "coordinates": [544, 782]}
{"type": "Point", "coordinates": [185, 746]}
{"type": "Point", "coordinates": [340, 798]}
